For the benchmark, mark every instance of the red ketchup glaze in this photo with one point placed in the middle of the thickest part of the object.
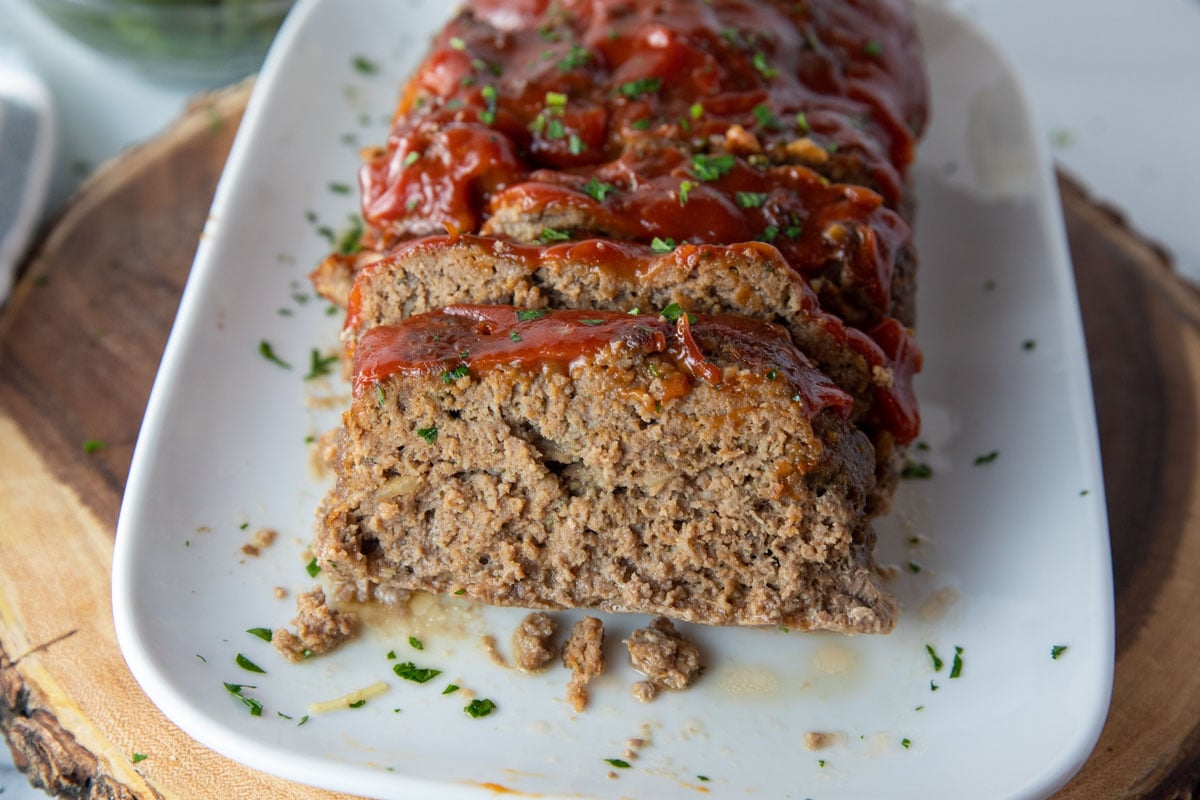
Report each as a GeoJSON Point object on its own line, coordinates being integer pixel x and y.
{"type": "Point", "coordinates": [476, 339]}
{"type": "Point", "coordinates": [575, 84]}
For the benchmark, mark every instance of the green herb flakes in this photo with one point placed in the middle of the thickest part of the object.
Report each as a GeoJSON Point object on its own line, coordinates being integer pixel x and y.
{"type": "Point", "coordinates": [379, 395]}
{"type": "Point", "coordinates": [751, 199]}
{"type": "Point", "coordinates": [673, 312]}
{"type": "Point", "coordinates": [916, 469]}
{"type": "Point", "coordinates": [411, 672]}
{"type": "Point", "coordinates": [527, 314]}
{"type": "Point", "coordinates": [711, 168]}
{"type": "Point", "coordinates": [457, 44]}
{"type": "Point", "coordinates": [619, 763]}
{"type": "Point", "coordinates": [957, 665]}
{"type": "Point", "coordinates": [514, 336]}
{"type": "Point", "coordinates": [802, 122]}
{"type": "Point", "coordinates": [430, 435]}
{"type": "Point", "coordinates": [696, 111]}
{"type": "Point", "coordinates": [549, 235]}
{"type": "Point", "coordinates": [312, 568]}
{"type": "Point", "coordinates": [391, 656]}
{"type": "Point", "coordinates": [591, 322]}
{"type": "Point", "coordinates": [1057, 650]}
{"type": "Point", "coordinates": [451, 688]}
{"type": "Point", "coordinates": [479, 708]}
{"type": "Point", "coordinates": [415, 643]}
{"type": "Point", "coordinates": [358, 703]}
{"type": "Point", "coordinates": [769, 234]}
{"type": "Point", "coordinates": [937, 661]}
{"type": "Point", "coordinates": [635, 89]}
{"type": "Point", "coordinates": [763, 66]}
{"type": "Point", "coordinates": [249, 665]}
{"type": "Point", "coordinates": [933, 687]}
{"type": "Point", "coordinates": [987, 458]}
{"type": "Point", "coordinates": [873, 49]}
{"type": "Point", "coordinates": [772, 374]}
{"type": "Point", "coordinates": [821, 762]}
{"type": "Point", "coordinates": [576, 57]}
{"type": "Point", "coordinates": [235, 689]}
{"type": "Point", "coordinates": [268, 352]}
{"type": "Point", "coordinates": [766, 118]}
{"type": "Point", "coordinates": [640, 124]}
{"type": "Point", "coordinates": [556, 99]}
{"type": "Point", "coordinates": [450, 376]}
{"type": "Point", "coordinates": [282, 715]}
{"type": "Point", "coordinates": [914, 567]}
{"type": "Point", "coordinates": [339, 188]}
{"type": "Point", "coordinates": [93, 446]}
{"type": "Point", "coordinates": [320, 365]}
{"type": "Point", "coordinates": [576, 145]}
{"type": "Point", "coordinates": [906, 743]}
{"type": "Point", "coordinates": [658, 245]}
{"type": "Point", "coordinates": [1029, 344]}
{"type": "Point", "coordinates": [703, 778]}
{"type": "Point", "coordinates": [261, 633]}
{"type": "Point", "coordinates": [597, 190]}
{"type": "Point", "coordinates": [137, 758]}
{"type": "Point", "coordinates": [303, 720]}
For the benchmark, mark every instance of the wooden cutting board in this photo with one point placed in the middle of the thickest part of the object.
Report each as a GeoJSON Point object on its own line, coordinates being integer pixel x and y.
{"type": "Point", "coordinates": [80, 343]}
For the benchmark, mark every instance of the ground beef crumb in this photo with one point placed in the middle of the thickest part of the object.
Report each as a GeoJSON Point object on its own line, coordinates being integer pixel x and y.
{"type": "Point", "coordinates": [644, 691]}
{"type": "Point", "coordinates": [663, 655]}
{"type": "Point", "coordinates": [264, 537]}
{"type": "Point", "coordinates": [249, 550]}
{"type": "Point", "coordinates": [816, 740]}
{"type": "Point", "coordinates": [279, 592]}
{"type": "Point", "coordinates": [583, 654]}
{"type": "Point", "coordinates": [487, 643]}
{"type": "Point", "coordinates": [319, 629]}
{"type": "Point", "coordinates": [533, 641]}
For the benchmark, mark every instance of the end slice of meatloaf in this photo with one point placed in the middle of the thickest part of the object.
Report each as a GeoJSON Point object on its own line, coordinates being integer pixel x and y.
{"type": "Point", "coordinates": [699, 468]}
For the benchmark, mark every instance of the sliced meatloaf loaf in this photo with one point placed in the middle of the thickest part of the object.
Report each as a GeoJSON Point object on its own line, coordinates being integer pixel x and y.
{"type": "Point", "coordinates": [698, 467]}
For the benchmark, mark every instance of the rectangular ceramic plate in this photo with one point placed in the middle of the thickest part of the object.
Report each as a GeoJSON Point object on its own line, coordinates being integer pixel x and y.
{"type": "Point", "coordinates": [1012, 553]}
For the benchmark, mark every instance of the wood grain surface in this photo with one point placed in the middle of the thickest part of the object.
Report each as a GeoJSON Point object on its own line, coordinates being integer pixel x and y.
{"type": "Point", "coordinates": [79, 345]}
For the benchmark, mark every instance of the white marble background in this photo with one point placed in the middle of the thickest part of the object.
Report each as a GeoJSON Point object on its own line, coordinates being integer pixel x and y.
{"type": "Point", "coordinates": [1114, 85]}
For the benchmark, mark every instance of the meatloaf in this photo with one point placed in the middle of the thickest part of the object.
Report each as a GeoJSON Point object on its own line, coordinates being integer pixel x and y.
{"type": "Point", "coordinates": [694, 466]}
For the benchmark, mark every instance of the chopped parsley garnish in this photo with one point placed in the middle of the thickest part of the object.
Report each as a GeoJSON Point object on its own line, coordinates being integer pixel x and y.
{"type": "Point", "coordinates": [641, 86]}
{"type": "Point", "coordinates": [685, 188]}
{"type": "Point", "coordinates": [358, 703]}
{"type": "Point", "coordinates": [349, 240]}
{"type": "Point", "coordinates": [673, 312]}
{"type": "Point", "coordinates": [262, 633]}
{"type": "Point", "coordinates": [1057, 650]}
{"type": "Point", "coordinates": [937, 662]}
{"type": "Point", "coordinates": [411, 672]}
{"type": "Point", "coordinates": [480, 708]}
{"type": "Point", "coordinates": [703, 778]}
{"type": "Point", "coordinates": [658, 245]}
{"type": "Point", "coordinates": [92, 446]}
{"type": "Point", "coordinates": [459, 592]}
{"type": "Point", "coordinates": [914, 567]}
{"type": "Point", "coordinates": [821, 762]}
{"type": "Point", "coordinates": [339, 188]}
{"type": "Point", "coordinates": [282, 715]}
{"type": "Point", "coordinates": [320, 365]}
{"type": "Point", "coordinates": [576, 57]}
{"type": "Point", "coordinates": [412, 158]}
{"type": "Point", "coordinates": [711, 168]}
{"type": "Point", "coordinates": [457, 43]}
{"type": "Point", "coordinates": [591, 322]}
{"type": "Point", "coordinates": [597, 190]}
{"type": "Point", "coordinates": [696, 111]}
{"type": "Point", "coordinates": [906, 743]}
{"type": "Point", "coordinates": [365, 66]}
{"type": "Point", "coordinates": [450, 376]}
{"type": "Point", "coordinates": [772, 374]}
{"type": "Point", "coordinates": [873, 48]}
{"type": "Point", "coordinates": [235, 689]}
{"type": "Point", "coordinates": [555, 129]}
{"type": "Point", "coordinates": [268, 352]}
{"type": "Point", "coordinates": [312, 568]}
{"type": "Point", "coordinates": [619, 763]}
{"type": "Point", "coordinates": [956, 666]}
{"type": "Point", "coordinates": [488, 115]}
{"type": "Point", "coordinates": [527, 314]}
{"type": "Point", "coordinates": [303, 720]}
{"type": "Point", "coordinates": [1029, 344]}
{"type": "Point", "coordinates": [933, 687]}
{"type": "Point", "coordinates": [766, 118]}
{"type": "Point", "coordinates": [802, 122]}
{"type": "Point", "coordinates": [379, 394]}
{"type": "Point", "coordinates": [556, 99]}
{"type": "Point", "coordinates": [514, 336]}
{"type": "Point", "coordinates": [751, 199]}
{"type": "Point", "coordinates": [987, 458]}
{"type": "Point", "coordinates": [415, 643]}
{"type": "Point", "coordinates": [916, 469]}
{"type": "Point", "coordinates": [640, 124]}
{"type": "Point", "coordinates": [249, 665]}
{"type": "Point", "coordinates": [763, 66]}
{"type": "Point", "coordinates": [553, 235]}
{"type": "Point", "coordinates": [769, 234]}
{"type": "Point", "coordinates": [576, 145]}
{"type": "Point", "coordinates": [451, 688]}
{"type": "Point", "coordinates": [391, 656]}
{"type": "Point", "coordinates": [430, 435]}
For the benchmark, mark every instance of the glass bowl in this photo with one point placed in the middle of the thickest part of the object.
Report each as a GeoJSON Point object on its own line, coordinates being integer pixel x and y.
{"type": "Point", "coordinates": [185, 42]}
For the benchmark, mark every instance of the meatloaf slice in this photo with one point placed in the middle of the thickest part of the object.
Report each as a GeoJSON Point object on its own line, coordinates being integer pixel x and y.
{"type": "Point", "coordinates": [697, 468]}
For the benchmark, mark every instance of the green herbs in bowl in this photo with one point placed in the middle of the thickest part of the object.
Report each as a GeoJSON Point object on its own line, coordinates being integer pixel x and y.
{"type": "Point", "coordinates": [193, 42]}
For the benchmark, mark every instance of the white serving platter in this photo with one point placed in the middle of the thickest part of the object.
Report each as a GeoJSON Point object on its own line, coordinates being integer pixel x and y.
{"type": "Point", "coordinates": [1013, 554]}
